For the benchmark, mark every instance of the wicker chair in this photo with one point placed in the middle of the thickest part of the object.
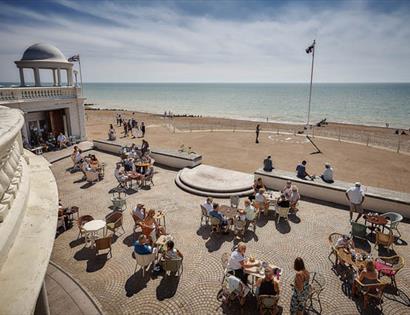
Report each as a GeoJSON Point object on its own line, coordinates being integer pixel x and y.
{"type": "Point", "coordinates": [389, 267]}
{"type": "Point", "coordinates": [149, 178]}
{"type": "Point", "coordinates": [137, 222]}
{"type": "Point", "coordinates": [384, 239]}
{"type": "Point", "coordinates": [173, 266]}
{"type": "Point", "coordinates": [395, 219]}
{"type": "Point", "coordinates": [102, 244]}
{"type": "Point", "coordinates": [282, 213]}
{"type": "Point", "coordinates": [114, 221]}
{"type": "Point", "coordinates": [371, 292]}
{"type": "Point", "coordinates": [81, 221]}
{"type": "Point", "coordinates": [204, 215]}
{"type": "Point", "coordinates": [332, 242]}
{"type": "Point", "coordinates": [74, 210]}
{"type": "Point", "coordinates": [268, 303]}
{"type": "Point", "coordinates": [235, 201]}
{"type": "Point", "coordinates": [144, 261]}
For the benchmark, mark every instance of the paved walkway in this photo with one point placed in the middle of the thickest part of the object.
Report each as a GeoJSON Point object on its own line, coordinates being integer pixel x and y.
{"type": "Point", "coordinates": [66, 296]}
{"type": "Point", "coordinates": [121, 291]}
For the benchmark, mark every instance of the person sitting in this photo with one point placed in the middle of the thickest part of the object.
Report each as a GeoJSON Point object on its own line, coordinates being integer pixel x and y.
{"type": "Point", "coordinates": [250, 213]}
{"type": "Point", "coordinates": [139, 211]}
{"type": "Point", "coordinates": [327, 175]}
{"type": "Point", "coordinates": [282, 201]}
{"type": "Point", "coordinates": [208, 205]}
{"type": "Point", "coordinates": [171, 252]}
{"type": "Point", "coordinates": [294, 199]}
{"type": "Point", "coordinates": [261, 201]}
{"type": "Point", "coordinates": [216, 214]}
{"type": "Point", "coordinates": [237, 263]}
{"type": "Point", "coordinates": [367, 276]}
{"type": "Point", "coordinates": [344, 242]}
{"type": "Point", "coordinates": [301, 171]}
{"type": "Point", "coordinates": [76, 156]}
{"type": "Point", "coordinates": [258, 184]}
{"type": "Point", "coordinates": [150, 221]}
{"type": "Point", "coordinates": [129, 165]}
{"type": "Point", "coordinates": [287, 190]}
{"type": "Point", "coordinates": [120, 176]}
{"type": "Point", "coordinates": [144, 147]}
{"type": "Point", "coordinates": [267, 285]}
{"type": "Point", "coordinates": [141, 247]}
{"type": "Point", "coordinates": [111, 133]}
{"type": "Point", "coordinates": [267, 164]}
{"type": "Point", "coordinates": [62, 141]}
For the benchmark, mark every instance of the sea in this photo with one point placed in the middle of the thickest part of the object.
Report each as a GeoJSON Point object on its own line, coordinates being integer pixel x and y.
{"type": "Point", "coordinates": [373, 104]}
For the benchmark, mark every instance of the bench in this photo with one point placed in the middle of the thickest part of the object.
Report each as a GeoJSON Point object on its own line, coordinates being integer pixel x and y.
{"type": "Point", "coordinates": [377, 199]}
{"type": "Point", "coordinates": [171, 158]}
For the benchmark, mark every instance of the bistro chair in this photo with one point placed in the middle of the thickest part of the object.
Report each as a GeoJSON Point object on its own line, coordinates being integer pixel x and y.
{"type": "Point", "coordinates": [371, 292]}
{"type": "Point", "coordinates": [204, 215]}
{"type": "Point", "coordinates": [395, 219]}
{"type": "Point", "coordinates": [359, 230]}
{"type": "Point", "coordinates": [144, 261]}
{"type": "Point", "coordinates": [282, 212]}
{"type": "Point", "coordinates": [268, 303]}
{"type": "Point", "coordinates": [333, 238]}
{"type": "Point", "coordinates": [91, 177]}
{"type": "Point", "coordinates": [384, 239]}
{"type": "Point", "coordinates": [317, 284]}
{"type": "Point", "coordinates": [80, 223]}
{"type": "Point", "coordinates": [389, 267]}
{"type": "Point", "coordinates": [103, 244]}
{"type": "Point", "coordinates": [149, 178]}
{"type": "Point", "coordinates": [224, 260]}
{"type": "Point", "coordinates": [114, 221]}
{"type": "Point", "coordinates": [137, 222]}
{"type": "Point", "coordinates": [74, 210]}
{"type": "Point", "coordinates": [235, 201]}
{"type": "Point", "coordinates": [215, 224]}
{"type": "Point", "coordinates": [173, 266]}
{"type": "Point", "coordinates": [239, 227]}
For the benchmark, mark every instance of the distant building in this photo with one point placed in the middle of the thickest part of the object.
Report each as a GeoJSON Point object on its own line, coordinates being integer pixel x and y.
{"type": "Point", "coordinates": [57, 108]}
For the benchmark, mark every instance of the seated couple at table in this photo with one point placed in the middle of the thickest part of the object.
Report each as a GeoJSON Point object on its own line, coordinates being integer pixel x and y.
{"type": "Point", "coordinates": [291, 194]}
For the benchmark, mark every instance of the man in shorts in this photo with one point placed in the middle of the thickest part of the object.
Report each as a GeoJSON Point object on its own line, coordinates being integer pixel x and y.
{"type": "Point", "coordinates": [355, 195]}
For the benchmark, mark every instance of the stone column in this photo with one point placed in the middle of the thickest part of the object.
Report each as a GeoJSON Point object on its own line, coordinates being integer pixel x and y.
{"type": "Point", "coordinates": [22, 82]}
{"type": "Point", "coordinates": [42, 307]}
{"type": "Point", "coordinates": [54, 77]}
{"type": "Point", "coordinates": [37, 81]}
{"type": "Point", "coordinates": [58, 77]}
{"type": "Point", "coordinates": [70, 77]}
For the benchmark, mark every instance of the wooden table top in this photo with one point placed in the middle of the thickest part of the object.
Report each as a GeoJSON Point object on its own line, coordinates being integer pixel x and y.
{"type": "Point", "coordinates": [376, 219]}
{"type": "Point", "coordinates": [228, 211]}
{"type": "Point", "coordinates": [259, 271]}
{"type": "Point", "coordinates": [345, 255]}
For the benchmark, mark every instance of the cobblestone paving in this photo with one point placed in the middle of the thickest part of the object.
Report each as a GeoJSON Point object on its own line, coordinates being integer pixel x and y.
{"type": "Point", "coordinates": [120, 291]}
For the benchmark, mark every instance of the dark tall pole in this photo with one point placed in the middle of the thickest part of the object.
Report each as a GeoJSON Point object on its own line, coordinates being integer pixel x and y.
{"type": "Point", "coordinates": [311, 81]}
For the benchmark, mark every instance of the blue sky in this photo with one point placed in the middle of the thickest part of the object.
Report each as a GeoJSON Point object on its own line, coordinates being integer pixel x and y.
{"type": "Point", "coordinates": [215, 41]}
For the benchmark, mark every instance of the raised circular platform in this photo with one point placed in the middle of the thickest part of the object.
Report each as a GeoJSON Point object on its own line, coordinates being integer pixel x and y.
{"type": "Point", "coordinates": [206, 180]}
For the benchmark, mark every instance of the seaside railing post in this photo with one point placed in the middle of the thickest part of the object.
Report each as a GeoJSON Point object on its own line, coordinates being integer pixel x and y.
{"type": "Point", "coordinates": [340, 131]}
{"type": "Point", "coordinates": [313, 132]}
{"type": "Point", "coordinates": [398, 144]}
{"type": "Point", "coordinates": [368, 139]}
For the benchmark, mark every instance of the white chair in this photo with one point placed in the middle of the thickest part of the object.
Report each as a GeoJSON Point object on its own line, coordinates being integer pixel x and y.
{"type": "Point", "coordinates": [235, 201]}
{"type": "Point", "coordinates": [204, 215]}
{"type": "Point", "coordinates": [395, 219]}
{"type": "Point", "coordinates": [215, 224]}
{"type": "Point", "coordinates": [144, 261]}
{"type": "Point", "coordinates": [91, 177]}
{"type": "Point", "coordinates": [172, 266]}
{"type": "Point", "coordinates": [282, 213]}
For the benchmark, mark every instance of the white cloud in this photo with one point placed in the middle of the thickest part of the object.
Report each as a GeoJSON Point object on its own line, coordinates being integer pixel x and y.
{"type": "Point", "coordinates": [355, 44]}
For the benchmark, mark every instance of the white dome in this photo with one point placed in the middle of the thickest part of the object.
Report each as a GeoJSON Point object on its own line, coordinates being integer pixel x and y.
{"type": "Point", "coordinates": [45, 52]}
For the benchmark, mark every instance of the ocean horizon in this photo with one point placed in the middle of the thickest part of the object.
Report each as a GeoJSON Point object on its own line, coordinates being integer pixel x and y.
{"type": "Point", "coordinates": [373, 104]}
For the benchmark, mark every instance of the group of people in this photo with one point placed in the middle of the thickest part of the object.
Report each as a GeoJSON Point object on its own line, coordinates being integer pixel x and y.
{"type": "Point", "coordinates": [146, 219]}
{"type": "Point", "coordinates": [238, 265]}
{"type": "Point", "coordinates": [47, 141]}
{"type": "Point", "coordinates": [130, 126]}
{"type": "Point", "coordinates": [327, 175]}
{"type": "Point", "coordinates": [88, 163]}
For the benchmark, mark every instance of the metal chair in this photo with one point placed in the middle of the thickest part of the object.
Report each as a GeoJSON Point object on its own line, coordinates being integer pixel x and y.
{"type": "Point", "coordinates": [137, 222]}
{"type": "Point", "coordinates": [235, 201]}
{"type": "Point", "coordinates": [204, 215]}
{"type": "Point", "coordinates": [81, 221]}
{"type": "Point", "coordinates": [395, 219]}
{"type": "Point", "coordinates": [316, 286]}
{"type": "Point", "coordinates": [215, 224]}
{"type": "Point", "coordinates": [358, 230]}
{"type": "Point", "coordinates": [332, 242]}
{"type": "Point", "coordinates": [102, 244]}
{"type": "Point", "coordinates": [173, 266]}
{"type": "Point", "coordinates": [224, 261]}
{"type": "Point", "coordinates": [239, 227]}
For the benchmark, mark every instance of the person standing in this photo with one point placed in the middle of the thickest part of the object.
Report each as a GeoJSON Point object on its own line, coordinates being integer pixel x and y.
{"type": "Point", "coordinates": [125, 129]}
{"type": "Point", "coordinates": [143, 129]}
{"type": "Point", "coordinates": [300, 288]}
{"type": "Point", "coordinates": [356, 196]}
{"type": "Point", "coordinates": [258, 129]}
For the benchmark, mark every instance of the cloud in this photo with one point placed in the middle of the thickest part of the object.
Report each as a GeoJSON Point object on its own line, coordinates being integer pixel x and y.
{"type": "Point", "coordinates": [128, 42]}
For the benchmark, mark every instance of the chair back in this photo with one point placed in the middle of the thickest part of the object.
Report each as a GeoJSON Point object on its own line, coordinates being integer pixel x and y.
{"type": "Point", "coordinates": [91, 176]}
{"type": "Point", "coordinates": [204, 211]}
{"type": "Point", "coordinates": [136, 219]}
{"type": "Point", "coordinates": [172, 265]}
{"type": "Point", "coordinates": [215, 221]}
{"type": "Point", "coordinates": [384, 239]}
{"type": "Point", "coordinates": [282, 212]}
{"type": "Point", "coordinates": [225, 259]}
{"type": "Point", "coordinates": [144, 260]}
{"type": "Point", "coordinates": [75, 209]}
{"type": "Point", "coordinates": [358, 230]}
{"type": "Point", "coordinates": [114, 217]}
{"type": "Point", "coordinates": [235, 201]}
{"type": "Point", "coordinates": [268, 302]}
{"type": "Point", "coordinates": [84, 219]}
{"type": "Point", "coordinates": [103, 243]}
{"type": "Point", "coordinates": [317, 283]}
{"type": "Point", "coordinates": [239, 225]}
{"type": "Point", "coordinates": [146, 230]}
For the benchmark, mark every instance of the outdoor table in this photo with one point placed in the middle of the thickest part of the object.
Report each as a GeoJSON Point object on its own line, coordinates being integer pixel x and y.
{"type": "Point", "coordinates": [134, 176]}
{"type": "Point", "coordinates": [375, 220]}
{"type": "Point", "coordinates": [158, 216]}
{"type": "Point", "coordinates": [358, 263]}
{"type": "Point", "coordinates": [142, 164]}
{"type": "Point", "coordinates": [229, 212]}
{"type": "Point", "coordinates": [161, 242]}
{"type": "Point", "coordinates": [272, 196]}
{"type": "Point", "coordinates": [257, 272]}
{"type": "Point", "coordinates": [93, 228]}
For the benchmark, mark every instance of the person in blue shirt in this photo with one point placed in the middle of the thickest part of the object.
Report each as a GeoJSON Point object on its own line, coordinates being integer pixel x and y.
{"type": "Point", "coordinates": [267, 164]}
{"type": "Point", "coordinates": [301, 171]}
{"type": "Point", "coordinates": [141, 247]}
{"type": "Point", "coordinates": [216, 214]}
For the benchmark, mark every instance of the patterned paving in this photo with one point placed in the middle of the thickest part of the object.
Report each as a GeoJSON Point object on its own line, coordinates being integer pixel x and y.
{"type": "Point", "coordinates": [120, 291]}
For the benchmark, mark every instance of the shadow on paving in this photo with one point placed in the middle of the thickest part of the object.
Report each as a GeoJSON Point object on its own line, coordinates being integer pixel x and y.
{"type": "Point", "coordinates": [167, 287]}
{"type": "Point", "coordinates": [216, 240]}
{"type": "Point", "coordinates": [394, 294]}
{"type": "Point", "coordinates": [137, 282]}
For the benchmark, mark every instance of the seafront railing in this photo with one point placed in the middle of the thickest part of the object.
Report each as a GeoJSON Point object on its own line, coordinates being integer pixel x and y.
{"type": "Point", "coordinates": [394, 142]}
{"type": "Point", "coordinates": [8, 95]}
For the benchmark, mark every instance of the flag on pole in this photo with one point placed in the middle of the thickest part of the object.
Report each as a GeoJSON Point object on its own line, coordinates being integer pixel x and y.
{"type": "Point", "coordinates": [74, 58]}
{"type": "Point", "coordinates": [311, 48]}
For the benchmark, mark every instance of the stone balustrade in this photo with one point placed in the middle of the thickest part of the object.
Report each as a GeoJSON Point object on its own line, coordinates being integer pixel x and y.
{"type": "Point", "coordinates": [29, 93]}
{"type": "Point", "coordinates": [11, 150]}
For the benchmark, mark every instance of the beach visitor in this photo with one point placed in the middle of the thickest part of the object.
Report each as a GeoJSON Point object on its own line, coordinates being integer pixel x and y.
{"type": "Point", "coordinates": [294, 199]}
{"type": "Point", "coordinates": [117, 118]}
{"type": "Point", "coordinates": [208, 204]}
{"type": "Point", "coordinates": [76, 156]}
{"type": "Point", "coordinates": [216, 214]}
{"type": "Point", "coordinates": [143, 129]}
{"type": "Point", "coordinates": [62, 141]}
{"type": "Point", "coordinates": [267, 285]}
{"type": "Point", "coordinates": [111, 133]}
{"type": "Point", "coordinates": [237, 263]}
{"type": "Point", "coordinates": [287, 190]}
{"type": "Point", "coordinates": [267, 164]}
{"type": "Point", "coordinates": [301, 171]}
{"type": "Point", "coordinates": [144, 146]}
{"type": "Point", "coordinates": [300, 288]}
{"type": "Point", "coordinates": [139, 211]}
{"type": "Point", "coordinates": [125, 125]}
{"type": "Point", "coordinates": [327, 175]}
{"type": "Point", "coordinates": [356, 196]}
{"type": "Point", "coordinates": [367, 276]}
{"type": "Point", "coordinates": [258, 129]}
{"type": "Point", "coordinates": [141, 247]}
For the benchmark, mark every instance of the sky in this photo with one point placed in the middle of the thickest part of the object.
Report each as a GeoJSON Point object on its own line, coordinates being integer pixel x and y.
{"type": "Point", "coordinates": [215, 41]}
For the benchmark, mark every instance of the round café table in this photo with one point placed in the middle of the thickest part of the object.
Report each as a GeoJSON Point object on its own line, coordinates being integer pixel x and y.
{"type": "Point", "coordinates": [92, 230]}
{"type": "Point", "coordinates": [376, 220]}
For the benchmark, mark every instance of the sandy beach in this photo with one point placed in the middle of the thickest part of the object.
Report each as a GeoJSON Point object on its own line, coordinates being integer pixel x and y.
{"type": "Point", "coordinates": [231, 144]}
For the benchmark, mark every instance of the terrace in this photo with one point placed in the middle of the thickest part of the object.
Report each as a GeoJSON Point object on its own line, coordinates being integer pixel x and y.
{"type": "Point", "coordinates": [119, 290]}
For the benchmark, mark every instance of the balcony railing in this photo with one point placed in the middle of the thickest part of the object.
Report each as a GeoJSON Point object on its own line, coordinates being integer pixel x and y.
{"type": "Point", "coordinates": [29, 93]}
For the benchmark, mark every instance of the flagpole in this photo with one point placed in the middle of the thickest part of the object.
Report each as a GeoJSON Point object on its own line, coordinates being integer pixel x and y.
{"type": "Point", "coordinates": [311, 81]}
{"type": "Point", "coordinates": [81, 77]}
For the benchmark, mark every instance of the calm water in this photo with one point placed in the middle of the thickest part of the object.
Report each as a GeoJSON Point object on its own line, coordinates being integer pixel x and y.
{"type": "Point", "coordinates": [367, 103]}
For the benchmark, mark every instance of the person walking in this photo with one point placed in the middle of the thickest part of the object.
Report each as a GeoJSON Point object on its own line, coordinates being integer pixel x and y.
{"type": "Point", "coordinates": [143, 129]}
{"type": "Point", "coordinates": [258, 129]}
